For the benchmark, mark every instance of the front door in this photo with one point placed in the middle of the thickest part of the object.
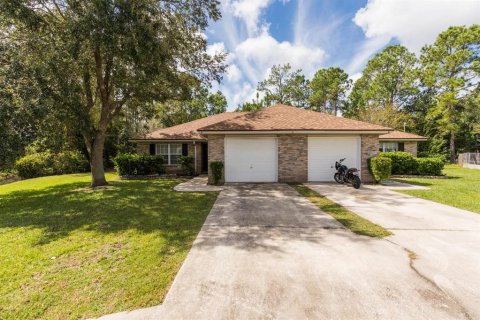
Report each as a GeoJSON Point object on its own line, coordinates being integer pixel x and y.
{"type": "Point", "coordinates": [204, 157]}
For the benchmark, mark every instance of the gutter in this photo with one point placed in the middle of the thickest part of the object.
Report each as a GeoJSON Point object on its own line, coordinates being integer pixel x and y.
{"type": "Point", "coordinates": [399, 139]}
{"type": "Point", "coordinates": [166, 140]}
{"type": "Point", "coordinates": [311, 132]}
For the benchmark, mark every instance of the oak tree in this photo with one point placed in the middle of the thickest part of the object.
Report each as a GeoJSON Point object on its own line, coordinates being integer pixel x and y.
{"type": "Point", "coordinates": [88, 59]}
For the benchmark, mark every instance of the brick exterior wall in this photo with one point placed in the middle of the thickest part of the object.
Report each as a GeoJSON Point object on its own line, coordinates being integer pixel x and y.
{"type": "Point", "coordinates": [411, 147]}
{"type": "Point", "coordinates": [216, 152]}
{"type": "Point", "coordinates": [144, 148]}
{"type": "Point", "coordinates": [292, 158]}
{"type": "Point", "coordinates": [369, 148]}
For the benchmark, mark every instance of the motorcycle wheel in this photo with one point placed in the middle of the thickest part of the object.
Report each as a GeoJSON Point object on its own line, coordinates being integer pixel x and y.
{"type": "Point", "coordinates": [338, 178]}
{"type": "Point", "coordinates": [356, 182]}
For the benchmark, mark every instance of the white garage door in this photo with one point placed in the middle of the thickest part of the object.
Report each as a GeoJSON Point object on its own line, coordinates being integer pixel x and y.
{"type": "Point", "coordinates": [324, 151]}
{"type": "Point", "coordinates": [250, 159]}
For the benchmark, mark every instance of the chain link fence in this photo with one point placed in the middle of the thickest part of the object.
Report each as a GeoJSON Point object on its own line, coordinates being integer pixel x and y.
{"type": "Point", "coordinates": [469, 160]}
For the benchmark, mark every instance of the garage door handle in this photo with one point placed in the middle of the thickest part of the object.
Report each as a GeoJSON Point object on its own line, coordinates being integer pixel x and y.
{"type": "Point", "coordinates": [251, 167]}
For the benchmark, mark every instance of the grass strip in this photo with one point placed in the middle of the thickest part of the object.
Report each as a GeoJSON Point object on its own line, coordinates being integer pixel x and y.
{"type": "Point", "coordinates": [347, 218]}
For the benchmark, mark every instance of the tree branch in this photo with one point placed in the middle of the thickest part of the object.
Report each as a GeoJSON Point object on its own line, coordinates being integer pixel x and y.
{"type": "Point", "coordinates": [88, 89]}
{"type": "Point", "coordinates": [58, 9]}
{"type": "Point", "coordinates": [100, 79]}
{"type": "Point", "coordinates": [108, 70]}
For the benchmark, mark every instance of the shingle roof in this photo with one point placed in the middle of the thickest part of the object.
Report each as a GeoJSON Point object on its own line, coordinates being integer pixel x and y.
{"type": "Point", "coordinates": [188, 130]}
{"type": "Point", "coordinates": [281, 117]}
{"type": "Point", "coordinates": [398, 135]}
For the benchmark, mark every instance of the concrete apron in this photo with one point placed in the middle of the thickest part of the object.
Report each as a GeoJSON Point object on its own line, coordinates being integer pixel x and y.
{"type": "Point", "coordinates": [265, 252]}
{"type": "Point", "coordinates": [445, 240]}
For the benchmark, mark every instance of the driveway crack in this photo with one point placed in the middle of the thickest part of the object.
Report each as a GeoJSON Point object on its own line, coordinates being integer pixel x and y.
{"type": "Point", "coordinates": [412, 256]}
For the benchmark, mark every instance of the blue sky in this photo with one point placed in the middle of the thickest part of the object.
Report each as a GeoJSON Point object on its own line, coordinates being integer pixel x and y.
{"type": "Point", "coordinates": [311, 34]}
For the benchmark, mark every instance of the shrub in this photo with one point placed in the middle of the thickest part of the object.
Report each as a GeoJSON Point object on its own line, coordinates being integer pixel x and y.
{"type": "Point", "coordinates": [46, 163]}
{"type": "Point", "coordinates": [138, 164]}
{"type": "Point", "coordinates": [69, 162]}
{"type": "Point", "coordinates": [380, 168]}
{"type": "Point", "coordinates": [402, 162]}
{"type": "Point", "coordinates": [187, 164]}
{"type": "Point", "coordinates": [217, 171]}
{"type": "Point", "coordinates": [429, 166]}
{"type": "Point", "coordinates": [425, 154]}
{"type": "Point", "coordinates": [35, 165]}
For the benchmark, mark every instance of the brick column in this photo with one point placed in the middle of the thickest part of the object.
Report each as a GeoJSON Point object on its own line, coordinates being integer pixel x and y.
{"type": "Point", "coordinates": [292, 158]}
{"type": "Point", "coordinates": [216, 152]}
{"type": "Point", "coordinates": [410, 147]}
{"type": "Point", "coordinates": [143, 148]}
{"type": "Point", "coordinates": [370, 147]}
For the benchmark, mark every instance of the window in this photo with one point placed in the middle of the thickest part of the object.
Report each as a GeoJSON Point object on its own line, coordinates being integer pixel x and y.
{"type": "Point", "coordinates": [388, 146]}
{"type": "Point", "coordinates": [170, 151]}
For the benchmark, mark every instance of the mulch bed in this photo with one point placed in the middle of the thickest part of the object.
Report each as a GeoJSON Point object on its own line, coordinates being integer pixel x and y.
{"type": "Point", "coordinates": [419, 177]}
{"type": "Point", "coordinates": [150, 177]}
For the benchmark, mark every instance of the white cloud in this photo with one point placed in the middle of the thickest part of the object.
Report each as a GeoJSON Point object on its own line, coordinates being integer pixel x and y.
{"type": "Point", "coordinates": [313, 27]}
{"type": "Point", "coordinates": [252, 50]}
{"type": "Point", "coordinates": [216, 48]}
{"type": "Point", "coordinates": [415, 22]}
{"type": "Point", "coordinates": [249, 11]}
{"type": "Point", "coordinates": [263, 51]}
{"type": "Point", "coordinates": [365, 51]}
{"type": "Point", "coordinates": [233, 73]}
{"type": "Point", "coordinates": [354, 77]}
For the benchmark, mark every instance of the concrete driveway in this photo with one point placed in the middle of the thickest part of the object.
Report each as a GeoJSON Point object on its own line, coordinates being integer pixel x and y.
{"type": "Point", "coordinates": [265, 252]}
{"type": "Point", "coordinates": [446, 240]}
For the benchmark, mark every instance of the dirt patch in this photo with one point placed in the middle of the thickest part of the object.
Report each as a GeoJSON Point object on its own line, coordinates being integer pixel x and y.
{"type": "Point", "coordinates": [92, 189]}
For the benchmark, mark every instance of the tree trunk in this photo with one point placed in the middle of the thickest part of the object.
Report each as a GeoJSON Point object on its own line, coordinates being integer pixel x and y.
{"type": "Point", "coordinates": [452, 147]}
{"type": "Point", "coordinates": [96, 161]}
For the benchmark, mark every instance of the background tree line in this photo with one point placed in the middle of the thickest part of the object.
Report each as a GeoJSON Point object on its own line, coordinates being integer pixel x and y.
{"type": "Point", "coordinates": [436, 94]}
{"type": "Point", "coordinates": [89, 75]}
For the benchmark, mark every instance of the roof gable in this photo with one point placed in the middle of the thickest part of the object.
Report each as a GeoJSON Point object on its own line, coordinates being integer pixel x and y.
{"type": "Point", "coordinates": [398, 135]}
{"type": "Point", "coordinates": [188, 130]}
{"type": "Point", "coordinates": [281, 117]}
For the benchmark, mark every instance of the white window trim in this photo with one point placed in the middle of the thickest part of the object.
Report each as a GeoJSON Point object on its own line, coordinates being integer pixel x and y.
{"type": "Point", "coordinates": [169, 153]}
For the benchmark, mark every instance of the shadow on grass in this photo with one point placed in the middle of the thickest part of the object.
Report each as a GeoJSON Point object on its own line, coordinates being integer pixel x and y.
{"type": "Point", "coordinates": [424, 183]}
{"type": "Point", "coordinates": [146, 206]}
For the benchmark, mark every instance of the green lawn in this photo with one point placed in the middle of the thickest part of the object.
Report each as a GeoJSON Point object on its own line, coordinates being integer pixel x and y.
{"type": "Point", "coordinates": [349, 219]}
{"type": "Point", "coordinates": [69, 254]}
{"type": "Point", "coordinates": [461, 190]}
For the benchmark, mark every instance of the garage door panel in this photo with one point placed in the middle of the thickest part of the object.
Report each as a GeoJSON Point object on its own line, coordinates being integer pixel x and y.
{"type": "Point", "coordinates": [250, 159]}
{"type": "Point", "coordinates": [323, 152]}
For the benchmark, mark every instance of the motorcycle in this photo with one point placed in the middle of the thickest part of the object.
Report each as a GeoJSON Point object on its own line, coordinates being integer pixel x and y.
{"type": "Point", "coordinates": [346, 175]}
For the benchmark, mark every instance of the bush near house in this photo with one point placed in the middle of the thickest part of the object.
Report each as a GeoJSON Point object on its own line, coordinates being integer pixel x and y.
{"type": "Point", "coordinates": [429, 166]}
{"type": "Point", "coordinates": [138, 164]}
{"type": "Point", "coordinates": [47, 163]}
{"type": "Point", "coordinates": [425, 154]}
{"type": "Point", "coordinates": [217, 168]}
{"type": "Point", "coordinates": [403, 163]}
{"type": "Point", "coordinates": [380, 168]}
{"type": "Point", "coordinates": [187, 164]}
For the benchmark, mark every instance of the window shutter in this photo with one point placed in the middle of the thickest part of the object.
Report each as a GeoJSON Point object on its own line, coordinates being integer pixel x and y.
{"type": "Point", "coordinates": [152, 148]}
{"type": "Point", "coordinates": [401, 146]}
{"type": "Point", "coordinates": [184, 149]}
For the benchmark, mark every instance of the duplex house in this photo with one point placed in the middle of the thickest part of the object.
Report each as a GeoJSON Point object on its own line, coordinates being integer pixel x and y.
{"type": "Point", "coordinates": [276, 144]}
